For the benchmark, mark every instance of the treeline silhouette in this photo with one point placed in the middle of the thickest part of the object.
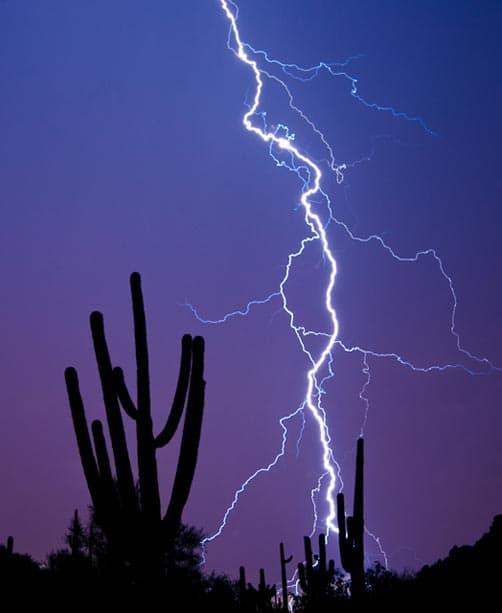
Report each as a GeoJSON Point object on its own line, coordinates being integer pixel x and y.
{"type": "Point", "coordinates": [128, 552]}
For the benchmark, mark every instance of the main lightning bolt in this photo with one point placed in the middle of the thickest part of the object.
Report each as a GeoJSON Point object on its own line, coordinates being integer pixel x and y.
{"type": "Point", "coordinates": [287, 155]}
{"type": "Point", "coordinates": [312, 401]}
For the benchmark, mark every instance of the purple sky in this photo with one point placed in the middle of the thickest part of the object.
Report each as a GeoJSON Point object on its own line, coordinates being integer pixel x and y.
{"type": "Point", "coordinates": [122, 148]}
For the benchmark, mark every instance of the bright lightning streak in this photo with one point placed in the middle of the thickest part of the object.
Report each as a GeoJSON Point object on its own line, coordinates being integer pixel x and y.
{"type": "Point", "coordinates": [312, 399]}
{"type": "Point", "coordinates": [362, 394]}
{"type": "Point", "coordinates": [257, 472]}
{"type": "Point", "coordinates": [287, 155]}
{"type": "Point", "coordinates": [336, 69]}
{"type": "Point", "coordinates": [378, 541]}
{"type": "Point", "coordinates": [228, 316]}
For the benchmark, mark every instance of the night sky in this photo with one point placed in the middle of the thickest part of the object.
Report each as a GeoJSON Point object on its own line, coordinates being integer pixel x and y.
{"type": "Point", "coordinates": [122, 148]}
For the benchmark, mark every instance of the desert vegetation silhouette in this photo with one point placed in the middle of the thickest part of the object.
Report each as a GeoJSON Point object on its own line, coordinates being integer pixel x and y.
{"type": "Point", "coordinates": [128, 551]}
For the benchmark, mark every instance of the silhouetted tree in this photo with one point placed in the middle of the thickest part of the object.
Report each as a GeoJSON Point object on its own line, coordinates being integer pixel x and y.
{"type": "Point", "coordinates": [221, 595]}
{"type": "Point", "coordinates": [76, 537]}
{"type": "Point", "coordinates": [98, 548]}
{"type": "Point", "coordinates": [72, 567]}
{"type": "Point", "coordinates": [386, 588]}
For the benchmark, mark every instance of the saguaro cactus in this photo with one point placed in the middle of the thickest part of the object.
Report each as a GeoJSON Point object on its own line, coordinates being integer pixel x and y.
{"type": "Point", "coordinates": [257, 600]}
{"type": "Point", "coordinates": [131, 519]}
{"type": "Point", "coordinates": [351, 532]}
{"type": "Point", "coordinates": [265, 593]}
{"type": "Point", "coordinates": [316, 575]}
{"type": "Point", "coordinates": [244, 593]}
{"type": "Point", "coordinates": [284, 579]}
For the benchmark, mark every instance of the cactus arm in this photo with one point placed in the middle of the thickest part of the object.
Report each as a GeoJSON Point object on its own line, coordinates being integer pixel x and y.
{"type": "Point", "coordinates": [180, 394]}
{"type": "Point", "coordinates": [141, 345]}
{"type": "Point", "coordinates": [123, 393]}
{"type": "Point", "coordinates": [113, 416]}
{"type": "Point", "coordinates": [190, 440]}
{"type": "Point", "coordinates": [108, 507]}
{"type": "Point", "coordinates": [342, 534]}
{"type": "Point", "coordinates": [84, 444]}
{"type": "Point", "coordinates": [105, 470]}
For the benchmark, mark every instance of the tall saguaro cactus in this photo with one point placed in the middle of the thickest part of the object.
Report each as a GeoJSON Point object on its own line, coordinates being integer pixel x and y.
{"type": "Point", "coordinates": [133, 524]}
{"type": "Point", "coordinates": [351, 532]}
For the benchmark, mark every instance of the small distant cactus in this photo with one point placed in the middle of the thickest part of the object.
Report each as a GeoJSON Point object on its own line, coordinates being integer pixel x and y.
{"type": "Point", "coordinates": [253, 599]}
{"type": "Point", "coordinates": [284, 579]}
{"type": "Point", "coordinates": [10, 545]}
{"type": "Point", "coordinates": [316, 575]}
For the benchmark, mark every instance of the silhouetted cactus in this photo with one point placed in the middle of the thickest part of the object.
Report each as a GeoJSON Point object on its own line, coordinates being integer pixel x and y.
{"type": "Point", "coordinates": [10, 545]}
{"type": "Point", "coordinates": [132, 523]}
{"type": "Point", "coordinates": [316, 575]}
{"type": "Point", "coordinates": [243, 589]}
{"type": "Point", "coordinates": [265, 593]}
{"type": "Point", "coordinates": [284, 579]}
{"type": "Point", "coordinates": [259, 599]}
{"type": "Point", "coordinates": [351, 532]}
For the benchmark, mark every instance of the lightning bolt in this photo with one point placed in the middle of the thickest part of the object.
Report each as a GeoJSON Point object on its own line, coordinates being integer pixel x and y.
{"type": "Point", "coordinates": [312, 186]}
{"type": "Point", "coordinates": [282, 149]}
